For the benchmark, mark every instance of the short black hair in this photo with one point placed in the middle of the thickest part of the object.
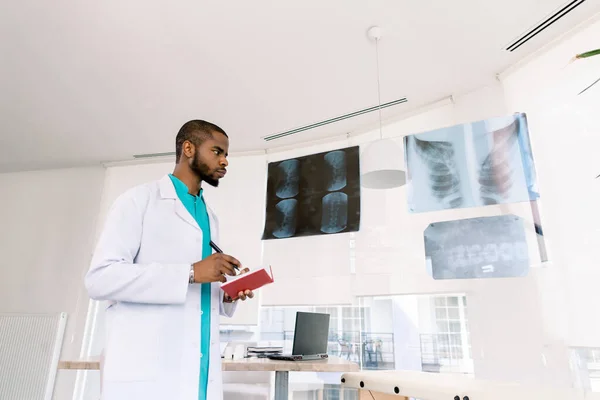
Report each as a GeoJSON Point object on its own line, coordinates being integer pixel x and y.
{"type": "Point", "coordinates": [196, 131]}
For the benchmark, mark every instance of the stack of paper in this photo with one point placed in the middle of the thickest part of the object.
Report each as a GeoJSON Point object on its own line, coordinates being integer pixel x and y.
{"type": "Point", "coordinates": [263, 351]}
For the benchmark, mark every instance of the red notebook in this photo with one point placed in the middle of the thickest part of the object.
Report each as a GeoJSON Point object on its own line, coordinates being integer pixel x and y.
{"type": "Point", "coordinates": [248, 281]}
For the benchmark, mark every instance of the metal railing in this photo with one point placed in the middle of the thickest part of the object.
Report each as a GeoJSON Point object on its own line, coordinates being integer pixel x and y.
{"type": "Point", "coordinates": [443, 351]}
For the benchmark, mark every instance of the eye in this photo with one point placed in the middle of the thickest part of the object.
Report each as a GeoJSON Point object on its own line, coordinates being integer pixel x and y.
{"type": "Point", "coordinates": [217, 152]}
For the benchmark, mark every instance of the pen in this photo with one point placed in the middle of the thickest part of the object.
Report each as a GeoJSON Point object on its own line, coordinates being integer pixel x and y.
{"type": "Point", "coordinates": [218, 250]}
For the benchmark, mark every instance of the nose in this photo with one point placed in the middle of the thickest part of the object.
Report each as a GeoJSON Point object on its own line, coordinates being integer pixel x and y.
{"type": "Point", "coordinates": [223, 162]}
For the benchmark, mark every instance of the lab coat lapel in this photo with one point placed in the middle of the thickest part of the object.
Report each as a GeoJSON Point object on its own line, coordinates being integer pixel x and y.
{"type": "Point", "coordinates": [183, 213]}
{"type": "Point", "coordinates": [167, 191]}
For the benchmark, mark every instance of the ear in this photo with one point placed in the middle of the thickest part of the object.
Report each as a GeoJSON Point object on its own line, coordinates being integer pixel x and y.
{"type": "Point", "coordinates": [188, 149]}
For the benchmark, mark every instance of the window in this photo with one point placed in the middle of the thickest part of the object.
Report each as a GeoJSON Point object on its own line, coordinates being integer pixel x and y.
{"type": "Point", "coordinates": [370, 332]}
{"type": "Point", "coordinates": [449, 347]}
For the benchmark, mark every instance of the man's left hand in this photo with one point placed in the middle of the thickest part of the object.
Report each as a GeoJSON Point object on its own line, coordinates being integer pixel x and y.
{"type": "Point", "coordinates": [247, 294]}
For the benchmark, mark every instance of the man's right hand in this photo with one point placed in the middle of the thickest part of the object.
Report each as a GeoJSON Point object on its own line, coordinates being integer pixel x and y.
{"type": "Point", "coordinates": [214, 268]}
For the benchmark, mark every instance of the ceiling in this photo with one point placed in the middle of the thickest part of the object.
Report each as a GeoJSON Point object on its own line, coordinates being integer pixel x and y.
{"type": "Point", "coordinates": [89, 82]}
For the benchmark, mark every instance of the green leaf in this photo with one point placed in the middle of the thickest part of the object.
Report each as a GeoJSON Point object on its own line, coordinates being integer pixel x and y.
{"type": "Point", "coordinates": [588, 54]}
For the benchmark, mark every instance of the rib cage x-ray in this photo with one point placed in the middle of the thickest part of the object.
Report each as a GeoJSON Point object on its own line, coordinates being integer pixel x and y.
{"type": "Point", "coordinates": [444, 179]}
{"type": "Point", "coordinates": [470, 165]}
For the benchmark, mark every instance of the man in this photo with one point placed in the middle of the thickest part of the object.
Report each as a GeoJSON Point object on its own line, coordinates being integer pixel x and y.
{"type": "Point", "coordinates": [155, 266]}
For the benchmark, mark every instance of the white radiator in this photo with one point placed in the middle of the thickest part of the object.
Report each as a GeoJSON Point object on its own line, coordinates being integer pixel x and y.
{"type": "Point", "coordinates": [30, 347]}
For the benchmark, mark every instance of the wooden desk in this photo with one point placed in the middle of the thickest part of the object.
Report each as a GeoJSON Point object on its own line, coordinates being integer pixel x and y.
{"type": "Point", "coordinates": [80, 364]}
{"type": "Point", "coordinates": [331, 364]}
{"type": "Point", "coordinates": [281, 368]}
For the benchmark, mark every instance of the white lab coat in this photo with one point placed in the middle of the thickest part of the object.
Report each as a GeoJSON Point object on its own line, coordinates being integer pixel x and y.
{"type": "Point", "coordinates": [141, 266]}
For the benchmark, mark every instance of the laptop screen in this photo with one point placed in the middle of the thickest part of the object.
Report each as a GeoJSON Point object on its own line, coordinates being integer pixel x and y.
{"type": "Point", "coordinates": [311, 333]}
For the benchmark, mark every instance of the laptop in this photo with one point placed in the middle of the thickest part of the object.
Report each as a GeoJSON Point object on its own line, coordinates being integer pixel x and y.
{"type": "Point", "coordinates": [310, 338]}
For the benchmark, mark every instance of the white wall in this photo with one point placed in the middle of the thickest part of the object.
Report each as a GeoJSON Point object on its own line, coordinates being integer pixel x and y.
{"type": "Point", "coordinates": [566, 138]}
{"type": "Point", "coordinates": [483, 103]}
{"type": "Point", "coordinates": [48, 221]}
{"type": "Point", "coordinates": [381, 316]}
{"type": "Point", "coordinates": [406, 327]}
{"type": "Point", "coordinates": [426, 313]}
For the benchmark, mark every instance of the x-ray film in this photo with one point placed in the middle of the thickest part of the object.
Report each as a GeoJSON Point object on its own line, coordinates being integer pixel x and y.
{"type": "Point", "coordinates": [470, 165]}
{"type": "Point", "coordinates": [313, 195]}
{"type": "Point", "coordinates": [484, 247]}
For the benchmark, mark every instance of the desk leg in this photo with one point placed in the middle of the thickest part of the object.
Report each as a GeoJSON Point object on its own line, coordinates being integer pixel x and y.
{"type": "Point", "coordinates": [281, 385]}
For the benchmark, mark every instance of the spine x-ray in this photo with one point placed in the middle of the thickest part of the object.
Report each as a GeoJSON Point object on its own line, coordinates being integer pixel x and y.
{"type": "Point", "coordinates": [484, 247]}
{"type": "Point", "coordinates": [313, 195]}
{"type": "Point", "coordinates": [475, 164]}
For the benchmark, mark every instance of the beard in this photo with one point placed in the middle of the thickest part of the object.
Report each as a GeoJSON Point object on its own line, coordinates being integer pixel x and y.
{"type": "Point", "coordinates": [202, 171]}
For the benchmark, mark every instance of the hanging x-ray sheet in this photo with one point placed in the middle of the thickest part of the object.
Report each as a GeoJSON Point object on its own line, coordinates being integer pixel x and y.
{"type": "Point", "coordinates": [313, 195]}
{"type": "Point", "coordinates": [485, 247]}
{"type": "Point", "coordinates": [475, 164]}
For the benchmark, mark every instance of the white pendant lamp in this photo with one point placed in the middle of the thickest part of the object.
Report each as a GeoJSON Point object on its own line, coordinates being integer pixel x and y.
{"type": "Point", "coordinates": [380, 162]}
{"type": "Point", "coordinates": [380, 167]}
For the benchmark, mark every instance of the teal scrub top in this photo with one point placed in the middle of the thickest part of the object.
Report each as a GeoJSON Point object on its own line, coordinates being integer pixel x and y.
{"type": "Point", "coordinates": [197, 208]}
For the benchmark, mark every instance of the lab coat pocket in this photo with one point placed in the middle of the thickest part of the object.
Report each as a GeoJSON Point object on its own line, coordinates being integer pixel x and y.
{"type": "Point", "coordinates": [132, 345]}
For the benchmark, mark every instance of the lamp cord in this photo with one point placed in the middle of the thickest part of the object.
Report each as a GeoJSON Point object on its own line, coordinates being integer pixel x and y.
{"type": "Point", "coordinates": [378, 87]}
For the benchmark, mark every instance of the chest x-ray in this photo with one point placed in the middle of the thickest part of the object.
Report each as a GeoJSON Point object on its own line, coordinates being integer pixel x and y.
{"type": "Point", "coordinates": [470, 165]}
